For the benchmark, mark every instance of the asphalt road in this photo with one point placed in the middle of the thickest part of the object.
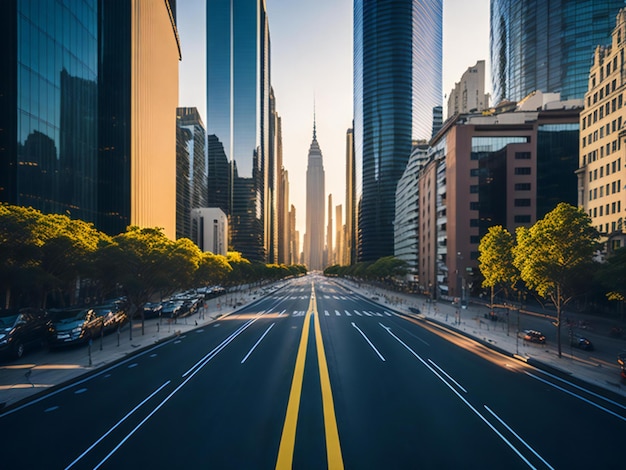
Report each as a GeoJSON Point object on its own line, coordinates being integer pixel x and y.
{"type": "Point", "coordinates": [315, 376]}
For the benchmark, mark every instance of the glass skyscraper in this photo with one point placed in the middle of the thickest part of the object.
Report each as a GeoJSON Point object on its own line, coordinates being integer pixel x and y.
{"type": "Point", "coordinates": [88, 95]}
{"type": "Point", "coordinates": [49, 106]}
{"type": "Point", "coordinates": [238, 88]}
{"type": "Point", "coordinates": [547, 45]}
{"type": "Point", "coordinates": [397, 83]}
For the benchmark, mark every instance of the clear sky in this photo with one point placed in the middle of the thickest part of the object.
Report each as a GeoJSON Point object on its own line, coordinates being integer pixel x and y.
{"type": "Point", "coordinates": [311, 60]}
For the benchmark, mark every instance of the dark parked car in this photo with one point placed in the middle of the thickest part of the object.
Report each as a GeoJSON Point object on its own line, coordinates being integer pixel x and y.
{"type": "Point", "coordinates": [22, 329]}
{"type": "Point", "coordinates": [76, 325]}
{"type": "Point", "coordinates": [172, 309]}
{"type": "Point", "coordinates": [581, 343]}
{"type": "Point", "coordinates": [151, 310]}
{"type": "Point", "coordinates": [113, 317]}
{"type": "Point", "coordinates": [534, 336]}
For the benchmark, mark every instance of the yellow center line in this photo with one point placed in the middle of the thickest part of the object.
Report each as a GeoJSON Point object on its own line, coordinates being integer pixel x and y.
{"type": "Point", "coordinates": [288, 438]}
{"type": "Point", "coordinates": [333, 447]}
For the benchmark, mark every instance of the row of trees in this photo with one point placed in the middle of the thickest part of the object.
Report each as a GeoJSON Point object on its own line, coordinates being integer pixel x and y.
{"type": "Point", "coordinates": [383, 269]}
{"type": "Point", "coordinates": [553, 260]}
{"type": "Point", "coordinates": [49, 256]}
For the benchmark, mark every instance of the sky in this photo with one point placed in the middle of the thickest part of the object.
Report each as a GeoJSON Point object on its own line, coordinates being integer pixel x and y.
{"type": "Point", "coordinates": [311, 62]}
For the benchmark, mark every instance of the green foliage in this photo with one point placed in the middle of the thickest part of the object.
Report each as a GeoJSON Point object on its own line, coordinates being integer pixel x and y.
{"type": "Point", "coordinates": [496, 258]}
{"type": "Point", "coordinates": [554, 254]}
{"type": "Point", "coordinates": [612, 275]}
{"type": "Point", "coordinates": [382, 269]}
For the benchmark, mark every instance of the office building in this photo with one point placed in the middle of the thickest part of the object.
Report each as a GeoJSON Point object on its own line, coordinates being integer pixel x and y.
{"type": "Point", "coordinates": [191, 165]}
{"type": "Point", "coordinates": [394, 97]}
{"type": "Point", "coordinates": [210, 230]}
{"type": "Point", "coordinates": [89, 91]}
{"type": "Point", "coordinates": [601, 176]}
{"type": "Point", "coordinates": [315, 211]}
{"type": "Point", "coordinates": [350, 242]}
{"type": "Point", "coordinates": [406, 223]}
{"type": "Point", "coordinates": [508, 168]}
{"type": "Point", "coordinates": [546, 46]}
{"type": "Point", "coordinates": [238, 119]}
{"type": "Point", "coordinates": [468, 94]}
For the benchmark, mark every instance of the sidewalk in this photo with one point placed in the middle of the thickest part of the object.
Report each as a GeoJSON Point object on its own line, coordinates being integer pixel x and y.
{"type": "Point", "coordinates": [42, 370]}
{"type": "Point", "coordinates": [502, 337]}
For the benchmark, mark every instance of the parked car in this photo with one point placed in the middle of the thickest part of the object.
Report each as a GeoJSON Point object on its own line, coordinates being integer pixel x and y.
{"type": "Point", "coordinates": [75, 325]}
{"type": "Point", "coordinates": [22, 329]}
{"type": "Point", "coordinates": [113, 317]}
{"type": "Point", "coordinates": [581, 342]}
{"type": "Point", "coordinates": [172, 309]}
{"type": "Point", "coordinates": [534, 336]}
{"type": "Point", "coordinates": [152, 310]}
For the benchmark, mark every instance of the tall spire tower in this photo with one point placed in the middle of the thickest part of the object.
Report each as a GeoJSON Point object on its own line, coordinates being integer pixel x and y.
{"type": "Point", "coordinates": [315, 202]}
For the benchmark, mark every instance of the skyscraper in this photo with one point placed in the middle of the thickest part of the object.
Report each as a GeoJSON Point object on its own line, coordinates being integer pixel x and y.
{"type": "Point", "coordinates": [546, 46]}
{"type": "Point", "coordinates": [394, 97]}
{"type": "Point", "coordinates": [191, 175]}
{"type": "Point", "coordinates": [88, 96]}
{"type": "Point", "coordinates": [315, 212]}
{"type": "Point", "coordinates": [350, 242]}
{"type": "Point", "coordinates": [238, 110]}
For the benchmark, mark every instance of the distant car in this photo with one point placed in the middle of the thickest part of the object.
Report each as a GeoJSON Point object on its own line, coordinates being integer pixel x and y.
{"type": "Point", "coordinates": [172, 309]}
{"type": "Point", "coordinates": [113, 317]}
{"type": "Point", "coordinates": [74, 326]}
{"type": "Point", "coordinates": [415, 310]}
{"type": "Point", "coordinates": [152, 309]}
{"type": "Point", "coordinates": [581, 343]}
{"type": "Point", "coordinates": [22, 329]}
{"type": "Point", "coordinates": [534, 336]}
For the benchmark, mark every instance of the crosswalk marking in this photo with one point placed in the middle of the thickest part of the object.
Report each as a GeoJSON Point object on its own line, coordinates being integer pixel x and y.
{"type": "Point", "coordinates": [337, 313]}
{"type": "Point", "coordinates": [388, 314]}
{"type": "Point", "coordinates": [358, 313]}
{"type": "Point", "coordinates": [348, 313]}
{"type": "Point", "coordinates": [326, 312]}
{"type": "Point", "coordinates": [367, 313]}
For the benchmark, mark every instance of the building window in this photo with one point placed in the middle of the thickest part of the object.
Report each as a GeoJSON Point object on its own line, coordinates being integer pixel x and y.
{"type": "Point", "coordinates": [473, 222]}
{"type": "Point", "coordinates": [522, 219]}
{"type": "Point", "coordinates": [475, 239]}
{"type": "Point", "coordinates": [525, 202]}
{"type": "Point", "coordinates": [474, 206]}
{"type": "Point", "coordinates": [524, 186]}
{"type": "Point", "coordinates": [522, 170]}
{"type": "Point", "coordinates": [522, 155]}
{"type": "Point", "coordinates": [474, 188]}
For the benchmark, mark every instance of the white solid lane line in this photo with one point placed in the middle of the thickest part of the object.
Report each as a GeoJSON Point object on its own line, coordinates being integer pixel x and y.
{"type": "Point", "coordinates": [467, 403]}
{"type": "Point", "coordinates": [518, 437]}
{"type": "Point", "coordinates": [257, 343]}
{"type": "Point", "coordinates": [446, 374]}
{"type": "Point", "coordinates": [117, 424]}
{"type": "Point", "coordinates": [369, 342]}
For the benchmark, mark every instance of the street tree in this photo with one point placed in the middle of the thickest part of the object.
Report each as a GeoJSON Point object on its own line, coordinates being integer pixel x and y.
{"type": "Point", "coordinates": [213, 269]}
{"type": "Point", "coordinates": [495, 260]}
{"type": "Point", "coordinates": [554, 254]}
{"type": "Point", "coordinates": [612, 276]}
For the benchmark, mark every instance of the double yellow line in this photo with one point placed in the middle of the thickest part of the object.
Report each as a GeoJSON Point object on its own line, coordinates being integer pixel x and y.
{"type": "Point", "coordinates": [288, 439]}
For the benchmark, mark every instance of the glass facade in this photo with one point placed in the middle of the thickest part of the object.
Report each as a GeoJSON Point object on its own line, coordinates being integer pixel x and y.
{"type": "Point", "coordinates": [238, 116]}
{"type": "Point", "coordinates": [546, 45]}
{"type": "Point", "coordinates": [557, 162]}
{"type": "Point", "coordinates": [394, 97]}
{"type": "Point", "coordinates": [48, 117]}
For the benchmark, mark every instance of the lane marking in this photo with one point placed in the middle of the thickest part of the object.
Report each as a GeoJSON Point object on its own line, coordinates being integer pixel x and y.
{"type": "Point", "coordinates": [348, 313]}
{"type": "Point", "coordinates": [467, 403]}
{"type": "Point", "coordinates": [257, 343]}
{"type": "Point", "coordinates": [116, 425]}
{"type": "Point", "coordinates": [52, 408]}
{"type": "Point", "coordinates": [446, 374]}
{"type": "Point", "coordinates": [578, 396]}
{"type": "Point", "coordinates": [79, 391]}
{"type": "Point", "coordinates": [326, 313]}
{"type": "Point", "coordinates": [288, 437]}
{"type": "Point", "coordinates": [337, 313]}
{"type": "Point", "coordinates": [518, 437]}
{"type": "Point", "coordinates": [597, 395]}
{"type": "Point", "coordinates": [369, 342]}
{"type": "Point", "coordinates": [358, 313]}
{"type": "Point", "coordinates": [333, 447]}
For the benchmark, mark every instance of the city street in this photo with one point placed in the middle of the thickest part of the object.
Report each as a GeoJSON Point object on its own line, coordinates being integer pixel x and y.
{"type": "Point", "coordinates": [317, 375]}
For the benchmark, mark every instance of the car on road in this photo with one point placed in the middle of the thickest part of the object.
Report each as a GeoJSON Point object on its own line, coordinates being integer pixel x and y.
{"type": "Point", "coordinates": [581, 342]}
{"type": "Point", "coordinates": [534, 336]}
{"type": "Point", "coordinates": [22, 329]}
{"type": "Point", "coordinates": [75, 326]}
